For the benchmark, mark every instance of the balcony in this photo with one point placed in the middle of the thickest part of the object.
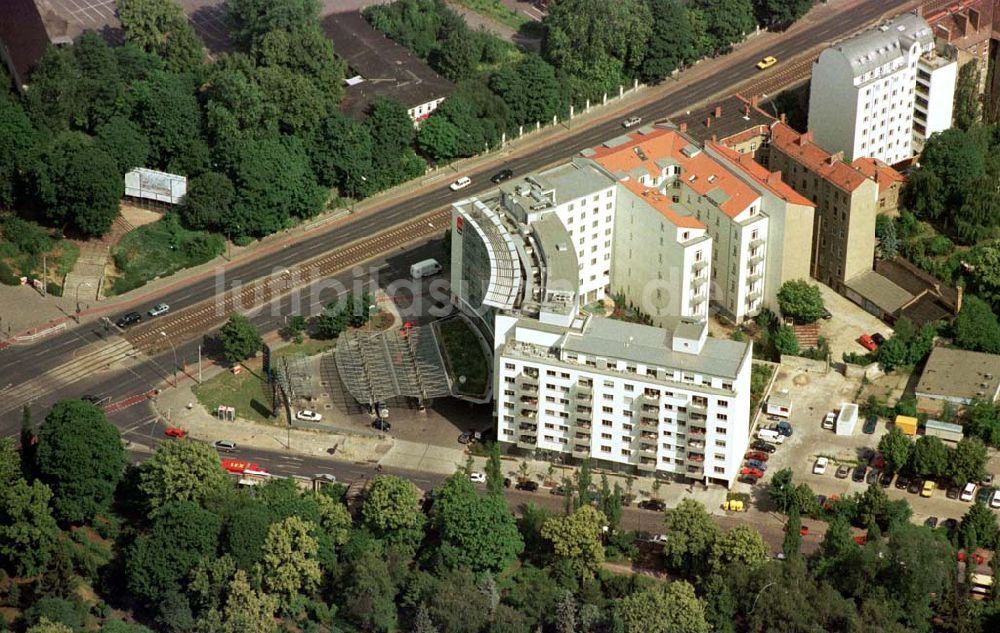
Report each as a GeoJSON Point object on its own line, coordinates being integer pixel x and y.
{"type": "Point", "coordinates": [528, 429]}
{"type": "Point", "coordinates": [580, 449]}
{"type": "Point", "coordinates": [754, 275]}
{"type": "Point", "coordinates": [524, 380]}
{"type": "Point", "coordinates": [649, 423]}
{"type": "Point", "coordinates": [695, 457]}
{"type": "Point", "coordinates": [529, 388]}
{"type": "Point", "coordinates": [698, 405]}
{"type": "Point", "coordinates": [647, 449]}
{"type": "Point", "coordinates": [701, 265]}
{"type": "Point", "coordinates": [756, 242]}
{"type": "Point", "coordinates": [584, 413]}
{"type": "Point", "coordinates": [646, 435]}
{"type": "Point", "coordinates": [696, 445]}
{"type": "Point", "coordinates": [698, 282]}
{"type": "Point", "coordinates": [527, 441]}
{"type": "Point", "coordinates": [695, 469]}
{"type": "Point", "coordinates": [582, 438]}
{"type": "Point", "coordinates": [696, 430]}
{"type": "Point", "coordinates": [529, 403]}
{"type": "Point", "coordinates": [754, 260]}
{"type": "Point", "coordinates": [646, 464]}
{"type": "Point", "coordinates": [753, 295]}
{"type": "Point", "coordinates": [584, 386]}
{"type": "Point", "coordinates": [583, 425]}
{"type": "Point", "coordinates": [650, 408]}
{"type": "Point", "coordinates": [584, 397]}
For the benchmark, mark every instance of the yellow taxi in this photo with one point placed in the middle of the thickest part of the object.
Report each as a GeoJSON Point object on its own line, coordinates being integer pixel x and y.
{"type": "Point", "coordinates": [928, 489]}
{"type": "Point", "coordinates": [767, 62]}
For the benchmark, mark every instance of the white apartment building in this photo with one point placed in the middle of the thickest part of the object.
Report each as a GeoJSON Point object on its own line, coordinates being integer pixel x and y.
{"type": "Point", "coordinates": [865, 99]}
{"type": "Point", "coordinates": [629, 397]}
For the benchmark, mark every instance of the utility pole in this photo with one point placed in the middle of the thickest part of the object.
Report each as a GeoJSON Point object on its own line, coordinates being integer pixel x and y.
{"type": "Point", "coordinates": [45, 275]}
{"type": "Point", "coordinates": [199, 364]}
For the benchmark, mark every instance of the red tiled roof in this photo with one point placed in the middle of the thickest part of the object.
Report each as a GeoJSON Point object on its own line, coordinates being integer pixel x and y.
{"type": "Point", "coordinates": [662, 203]}
{"type": "Point", "coordinates": [699, 171]}
{"type": "Point", "coordinates": [769, 179]}
{"type": "Point", "coordinates": [803, 150]}
{"type": "Point", "coordinates": [879, 171]}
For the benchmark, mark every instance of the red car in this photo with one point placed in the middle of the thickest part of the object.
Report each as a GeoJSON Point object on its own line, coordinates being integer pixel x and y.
{"type": "Point", "coordinates": [868, 343]}
{"type": "Point", "coordinates": [175, 431]}
{"type": "Point", "coordinates": [861, 540]}
{"type": "Point", "coordinates": [753, 472]}
{"type": "Point", "coordinates": [804, 530]}
{"type": "Point", "coordinates": [760, 456]}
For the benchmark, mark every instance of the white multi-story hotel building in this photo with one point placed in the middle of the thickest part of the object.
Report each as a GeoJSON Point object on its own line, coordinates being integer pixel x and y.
{"type": "Point", "coordinates": [879, 92]}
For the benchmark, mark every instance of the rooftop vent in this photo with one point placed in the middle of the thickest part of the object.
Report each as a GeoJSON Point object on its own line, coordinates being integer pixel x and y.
{"type": "Point", "coordinates": [638, 152]}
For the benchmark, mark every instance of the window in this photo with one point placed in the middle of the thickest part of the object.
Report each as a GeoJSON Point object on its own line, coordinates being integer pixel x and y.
{"type": "Point", "coordinates": [607, 410]}
{"type": "Point", "coordinates": [605, 436]}
{"type": "Point", "coordinates": [719, 470]}
{"type": "Point", "coordinates": [723, 417]}
{"type": "Point", "coordinates": [605, 449]}
{"type": "Point", "coordinates": [626, 452]}
{"type": "Point", "coordinates": [508, 366]}
{"type": "Point", "coordinates": [720, 443]}
{"type": "Point", "coordinates": [626, 427]}
{"type": "Point", "coordinates": [629, 387]}
{"type": "Point", "coordinates": [606, 423]}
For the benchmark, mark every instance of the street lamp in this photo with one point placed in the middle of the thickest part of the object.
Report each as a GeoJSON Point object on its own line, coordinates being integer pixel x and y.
{"type": "Point", "coordinates": [164, 335]}
{"type": "Point", "coordinates": [82, 283]}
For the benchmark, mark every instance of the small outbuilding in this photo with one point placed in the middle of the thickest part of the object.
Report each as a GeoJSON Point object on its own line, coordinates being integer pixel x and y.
{"type": "Point", "coordinates": [779, 405]}
{"type": "Point", "coordinates": [947, 431]}
{"type": "Point", "coordinates": [847, 419]}
{"type": "Point", "coordinates": [906, 424]}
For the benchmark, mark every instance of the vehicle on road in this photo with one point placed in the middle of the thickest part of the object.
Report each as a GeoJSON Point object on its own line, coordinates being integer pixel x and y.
{"type": "Point", "coordinates": [659, 538]}
{"type": "Point", "coordinates": [767, 62]}
{"type": "Point", "coordinates": [829, 420]}
{"type": "Point", "coordinates": [632, 121]}
{"type": "Point", "coordinates": [381, 425]}
{"type": "Point", "coordinates": [527, 485]}
{"type": "Point", "coordinates": [226, 446]}
{"type": "Point", "coordinates": [653, 504]}
{"type": "Point", "coordinates": [968, 492]}
{"type": "Point", "coordinates": [761, 445]}
{"type": "Point", "coordinates": [461, 183]}
{"type": "Point", "coordinates": [241, 466]}
{"type": "Point", "coordinates": [308, 415]}
{"type": "Point", "coordinates": [753, 463]}
{"type": "Point", "coordinates": [175, 432]}
{"type": "Point", "coordinates": [859, 473]}
{"type": "Point", "coordinates": [927, 490]}
{"type": "Point", "coordinates": [870, 423]}
{"type": "Point", "coordinates": [127, 319]}
{"type": "Point", "coordinates": [931, 522]}
{"type": "Point", "coordinates": [867, 342]}
{"type": "Point", "coordinates": [819, 467]}
{"type": "Point", "coordinates": [843, 471]}
{"type": "Point", "coordinates": [748, 479]}
{"type": "Point", "coordinates": [425, 268]}
{"type": "Point", "coordinates": [477, 478]}
{"type": "Point", "coordinates": [326, 477]}
{"type": "Point", "coordinates": [158, 309]}
{"type": "Point", "coordinates": [502, 175]}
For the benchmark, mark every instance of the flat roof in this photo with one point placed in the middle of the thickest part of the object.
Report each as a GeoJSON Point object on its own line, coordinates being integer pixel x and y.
{"type": "Point", "coordinates": [956, 373]}
{"type": "Point", "coordinates": [724, 119]}
{"type": "Point", "coordinates": [560, 254]}
{"type": "Point", "coordinates": [649, 345]}
{"type": "Point", "coordinates": [879, 290]}
{"type": "Point", "coordinates": [389, 69]}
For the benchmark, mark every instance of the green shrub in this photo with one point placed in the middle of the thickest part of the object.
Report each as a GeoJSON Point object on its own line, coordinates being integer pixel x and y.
{"type": "Point", "coordinates": [54, 289]}
{"type": "Point", "coordinates": [7, 276]}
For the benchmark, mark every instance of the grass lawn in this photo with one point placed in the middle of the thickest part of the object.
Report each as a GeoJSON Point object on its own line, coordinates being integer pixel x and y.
{"type": "Point", "coordinates": [495, 10]}
{"type": "Point", "coordinates": [158, 250]}
{"type": "Point", "coordinates": [465, 357]}
{"type": "Point", "coordinates": [246, 392]}
{"type": "Point", "coordinates": [309, 347]}
{"type": "Point", "coordinates": [22, 254]}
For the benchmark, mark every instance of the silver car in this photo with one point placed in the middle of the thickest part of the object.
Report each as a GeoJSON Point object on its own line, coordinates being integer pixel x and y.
{"type": "Point", "coordinates": [158, 309]}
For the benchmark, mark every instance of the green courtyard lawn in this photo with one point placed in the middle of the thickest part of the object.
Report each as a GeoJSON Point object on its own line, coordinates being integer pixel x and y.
{"type": "Point", "coordinates": [464, 355]}
{"type": "Point", "coordinates": [246, 392]}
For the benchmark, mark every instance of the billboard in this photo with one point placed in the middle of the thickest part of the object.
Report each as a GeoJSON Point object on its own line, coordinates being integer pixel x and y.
{"type": "Point", "coordinates": [155, 185]}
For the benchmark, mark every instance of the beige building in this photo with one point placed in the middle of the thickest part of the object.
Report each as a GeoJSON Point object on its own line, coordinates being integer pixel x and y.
{"type": "Point", "coordinates": [967, 28]}
{"type": "Point", "coordinates": [843, 242]}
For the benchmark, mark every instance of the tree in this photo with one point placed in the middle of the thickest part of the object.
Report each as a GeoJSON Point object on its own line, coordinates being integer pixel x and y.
{"type": "Point", "coordinates": [530, 89]}
{"type": "Point", "coordinates": [671, 608]}
{"type": "Point", "coordinates": [165, 108]}
{"type": "Point", "coordinates": [792, 544]}
{"type": "Point", "coordinates": [785, 341]}
{"type": "Point", "coordinates": [478, 533]}
{"type": "Point", "coordinates": [340, 152]}
{"type": "Point", "coordinates": [781, 491]}
{"type": "Point", "coordinates": [47, 626]}
{"type": "Point", "coordinates": [801, 301]}
{"type": "Point", "coordinates": [872, 506]}
{"type": "Point", "coordinates": [246, 609]}
{"type": "Point", "coordinates": [740, 545]}
{"type": "Point", "coordinates": [976, 327]}
{"type": "Point", "coordinates": [576, 539]}
{"type": "Point", "coordinates": [930, 457]}
{"type": "Point", "coordinates": [979, 527]}
{"type": "Point", "coordinates": [967, 105]}
{"type": "Point", "coordinates": [156, 563]}
{"type": "Point", "coordinates": [566, 614]}
{"type": "Point", "coordinates": [122, 139]}
{"type": "Point", "coordinates": [369, 597]}
{"type": "Point", "coordinates": [251, 20]}
{"type": "Point", "coordinates": [691, 535]}
{"type": "Point", "coordinates": [726, 21]}
{"type": "Point", "coordinates": [77, 184]}
{"type": "Point", "coordinates": [17, 138]}
{"type": "Point", "coordinates": [780, 13]}
{"type": "Point", "coordinates": [494, 471]}
{"type": "Point", "coordinates": [982, 420]}
{"type": "Point", "coordinates": [240, 339]}
{"type": "Point", "coordinates": [950, 164]}
{"type": "Point", "coordinates": [583, 483]}
{"type": "Point", "coordinates": [391, 508]}
{"type": "Point", "coordinates": [27, 530]}
{"type": "Point", "coordinates": [896, 448]}
{"type": "Point", "coordinates": [887, 236]}
{"type": "Point", "coordinates": [181, 471]}
{"type": "Point", "coordinates": [672, 42]}
{"type": "Point", "coordinates": [289, 560]}
{"type": "Point", "coordinates": [245, 530]}
{"type": "Point", "coordinates": [579, 33]}
{"type": "Point", "coordinates": [80, 457]}
{"type": "Point", "coordinates": [160, 27]}
{"type": "Point", "coordinates": [208, 202]}
{"type": "Point", "coordinates": [422, 622]}
{"type": "Point", "coordinates": [439, 139]}
{"type": "Point", "coordinates": [967, 461]}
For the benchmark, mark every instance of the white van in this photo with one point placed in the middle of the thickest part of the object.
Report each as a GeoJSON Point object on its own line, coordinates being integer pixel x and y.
{"type": "Point", "coordinates": [425, 268]}
{"type": "Point", "coordinates": [769, 435]}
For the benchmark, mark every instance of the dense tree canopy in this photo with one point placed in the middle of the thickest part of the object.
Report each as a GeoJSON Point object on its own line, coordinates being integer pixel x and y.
{"type": "Point", "coordinates": [181, 471]}
{"type": "Point", "coordinates": [801, 300]}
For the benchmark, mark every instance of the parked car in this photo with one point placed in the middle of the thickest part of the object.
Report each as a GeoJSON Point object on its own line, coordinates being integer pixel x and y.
{"type": "Point", "coordinates": [381, 425]}
{"type": "Point", "coordinates": [158, 309]}
{"type": "Point", "coordinates": [465, 438]}
{"type": "Point", "coordinates": [308, 415]}
{"type": "Point", "coordinates": [983, 494]}
{"type": "Point", "coordinates": [461, 183]}
{"type": "Point", "coordinates": [931, 522]}
{"type": "Point", "coordinates": [987, 480]}
{"type": "Point", "coordinates": [915, 486]}
{"type": "Point", "coordinates": [753, 463]}
{"type": "Point", "coordinates": [761, 445]}
{"type": "Point", "coordinates": [885, 479]}
{"type": "Point", "coordinates": [878, 338]}
{"type": "Point", "coordinates": [870, 423]}
{"type": "Point", "coordinates": [819, 467]}
{"type": "Point", "coordinates": [927, 490]}
{"type": "Point", "coordinates": [175, 432]}
{"type": "Point", "coordinates": [527, 485]}
{"type": "Point", "coordinates": [952, 492]}
{"type": "Point", "coordinates": [859, 473]}
{"type": "Point", "coordinates": [127, 319]}
{"type": "Point", "coordinates": [632, 121]}
{"type": "Point", "coordinates": [502, 175]}
{"type": "Point", "coordinates": [829, 420]}
{"type": "Point", "coordinates": [653, 504]}
{"type": "Point", "coordinates": [867, 342]}
{"type": "Point", "coordinates": [950, 524]}
{"type": "Point", "coordinates": [755, 472]}
{"type": "Point", "coordinates": [477, 478]}
{"type": "Point", "coordinates": [968, 492]}
{"type": "Point", "coordinates": [560, 491]}
{"type": "Point", "coordinates": [784, 428]}
{"type": "Point", "coordinates": [877, 461]}
{"type": "Point", "coordinates": [995, 499]}
{"type": "Point", "coordinates": [226, 446]}
{"type": "Point", "coordinates": [843, 471]}
{"type": "Point", "coordinates": [659, 538]}
{"type": "Point", "coordinates": [760, 456]}
{"type": "Point", "coordinates": [747, 479]}
{"type": "Point", "coordinates": [902, 482]}
{"type": "Point", "coordinates": [767, 62]}
{"type": "Point", "coordinates": [871, 477]}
